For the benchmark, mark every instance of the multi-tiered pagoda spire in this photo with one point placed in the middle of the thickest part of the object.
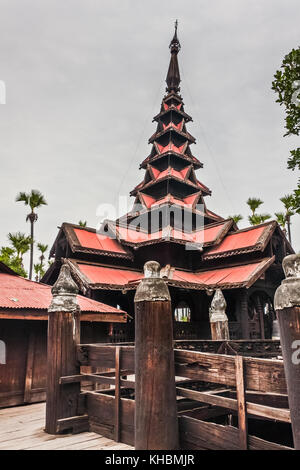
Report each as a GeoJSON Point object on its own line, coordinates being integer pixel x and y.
{"type": "Point", "coordinates": [170, 177]}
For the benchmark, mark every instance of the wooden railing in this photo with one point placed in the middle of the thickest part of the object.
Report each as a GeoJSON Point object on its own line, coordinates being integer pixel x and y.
{"type": "Point", "coordinates": [242, 386]}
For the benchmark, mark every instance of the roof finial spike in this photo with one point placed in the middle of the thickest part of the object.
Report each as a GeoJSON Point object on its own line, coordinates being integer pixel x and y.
{"type": "Point", "coordinates": [175, 44]}
{"type": "Point", "coordinates": [173, 76]}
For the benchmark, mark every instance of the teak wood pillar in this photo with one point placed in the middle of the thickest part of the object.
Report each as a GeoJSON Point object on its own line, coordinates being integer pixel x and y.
{"type": "Point", "coordinates": [287, 305]}
{"type": "Point", "coordinates": [156, 423]}
{"type": "Point", "coordinates": [218, 318]}
{"type": "Point", "coordinates": [63, 336]}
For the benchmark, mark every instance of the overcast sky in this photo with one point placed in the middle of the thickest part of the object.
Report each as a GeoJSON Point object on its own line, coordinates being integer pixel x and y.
{"type": "Point", "coordinates": [84, 79]}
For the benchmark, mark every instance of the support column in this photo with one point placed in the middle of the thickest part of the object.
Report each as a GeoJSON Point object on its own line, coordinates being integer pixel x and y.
{"type": "Point", "coordinates": [217, 317]}
{"type": "Point", "coordinates": [156, 424]}
{"type": "Point", "coordinates": [63, 337]}
{"type": "Point", "coordinates": [244, 314]}
{"type": "Point", "coordinates": [287, 305]}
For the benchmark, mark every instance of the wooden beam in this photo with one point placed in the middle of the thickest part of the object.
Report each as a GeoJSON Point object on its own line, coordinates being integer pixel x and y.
{"type": "Point", "coordinates": [29, 366]}
{"type": "Point", "coordinates": [253, 409]}
{"type": "Point", "coordinates": [117, 393]}
{"type": "Point", "coordinates": [241, 402]}
{"type": "Point", "coordinates": [264, 375]}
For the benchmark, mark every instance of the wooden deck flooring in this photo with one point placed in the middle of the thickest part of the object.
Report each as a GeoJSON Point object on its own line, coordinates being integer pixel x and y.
{"type": "Point", "coordinates": [22, 428]}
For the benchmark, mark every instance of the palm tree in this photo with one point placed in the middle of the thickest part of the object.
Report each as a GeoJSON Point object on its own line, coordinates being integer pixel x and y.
{"type": "Point", "coordinates": [281, 220]}
{"type": "Point", "coordinates": [21, 243]}
{"type": "Point", "coordinates": [42, 248]}
{"type": "Point", "coordinates": [236, 218]}
{"type": "Point", "coordinates": [82, 223]}
{"type": "Point", "coordinates": [256, 219]}
{"type": "Point", "coordinates": [254, 203]}
{"type": "Point", "coordinates": [34, 199]}
{"type": "Point", "coordinates": [288, 202]}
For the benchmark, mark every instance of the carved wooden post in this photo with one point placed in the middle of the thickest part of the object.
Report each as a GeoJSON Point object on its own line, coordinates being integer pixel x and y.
{"type": "Point", "coordinates": [217, 317]}
{"type": "Point", "coordinates": [156, 425]}
{"type": "Point", "coordinates": [287, 305]}
{"type": "Point", "coordinates": [63, 336]}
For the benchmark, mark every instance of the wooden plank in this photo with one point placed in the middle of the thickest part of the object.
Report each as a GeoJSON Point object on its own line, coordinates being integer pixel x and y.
{"type": "Point", "coordinates": [29, 366]}
{"type": "Point", "coordinates": [104, 356]}
{"type": "Point", "coordinates": [204, 397]}
{"type": "Point", "coordinates": [117, 393]}
{"type": "Point", "coordinates": [253, 409]}
{"type": "Point", "coordinates": [196, 434]}
{"type": "Point", "coordinates": [96, 378]}
{"type": "Point", "coordinates": [241, 402]}
{"type": "Point", "coordinates": [77, 424]}
{"type": "Point", "coordinates": [265, 375]}
{"type": "Point", "coordinates": [100, 408]}
{"type": "Point", "coordinates": [256, 443]}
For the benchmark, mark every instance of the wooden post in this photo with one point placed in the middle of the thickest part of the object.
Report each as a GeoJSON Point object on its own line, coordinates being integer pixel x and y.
{"type": "Point", "coordinates": [63, 336]}
{"type": "Point", "coordinates": [217, 317]}
{"type": "Point", "coordinates": [156, 424]}
{"type": "Point", "coordinates": [117, 394]}
{"type": "Point", "coordinates": [244, 314]}
{"type": "Point", "coordinates": [287, 305]}
{"type": "Point", "coordinates": [240, 395]}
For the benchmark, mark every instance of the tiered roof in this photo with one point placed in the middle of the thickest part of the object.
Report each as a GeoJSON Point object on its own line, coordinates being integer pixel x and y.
{"type": "Point", "coordinates": [225, 257]}
{"type": "Point", "coordinates": [170, 168]}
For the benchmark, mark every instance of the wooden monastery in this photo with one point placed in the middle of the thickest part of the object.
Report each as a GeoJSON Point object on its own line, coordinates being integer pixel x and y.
{"type": "Point", "coordinates": [170, 222]}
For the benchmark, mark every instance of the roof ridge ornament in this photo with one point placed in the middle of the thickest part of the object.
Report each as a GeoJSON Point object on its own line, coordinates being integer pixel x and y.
{"type": "Point", "coordinates": [173, 76]}
{"type": "Point", "coordinates": [175, 44]}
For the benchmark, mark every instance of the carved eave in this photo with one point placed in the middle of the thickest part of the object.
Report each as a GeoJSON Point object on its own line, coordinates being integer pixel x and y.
{"type": "Point", "coordinates": [151, 159]}
{"type": "Point", "coordinates": [173, 109]}
{"type": "Point", "coordinates": [170, 130]}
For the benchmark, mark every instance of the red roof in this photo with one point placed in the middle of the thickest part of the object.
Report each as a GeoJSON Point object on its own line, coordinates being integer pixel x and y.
{"type": "Point", "coordinates": [243, 240]}
{"type": "Point", "coordinates": [97, 241]}
{"type": "Point", "coordinates": [104, 275]}
{"type": "Point", "coordinates": [207, 235]}
{"type": "Point", "coordinates": [225, 278]}
{"type": "Point", "coordinates": [19, 293]}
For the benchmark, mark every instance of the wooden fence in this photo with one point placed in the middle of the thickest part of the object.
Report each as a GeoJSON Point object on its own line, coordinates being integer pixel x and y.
{"type": "Point", "coordinates": [210, 388]}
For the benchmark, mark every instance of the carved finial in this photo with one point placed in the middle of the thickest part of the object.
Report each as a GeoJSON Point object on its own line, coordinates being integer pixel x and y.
{"type": "Point", "coordinates": [175, 44]}
{"type": "Point", "coordinates": [288, 294]}
{"type": "Point", "coordinates": [152, 269]}
{"type": "Point", "coordinates": [173, 75]}
{"type": "Point", "coordinates": [217, 311]}
{"type": "Point", "coordinates": [152, 287]}
{"type": "Point", "coordinates": [64, 292]}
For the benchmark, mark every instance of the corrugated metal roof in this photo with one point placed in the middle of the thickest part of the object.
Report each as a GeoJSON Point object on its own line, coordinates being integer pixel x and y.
{"type": "Point", "coordinates": [19, 293]}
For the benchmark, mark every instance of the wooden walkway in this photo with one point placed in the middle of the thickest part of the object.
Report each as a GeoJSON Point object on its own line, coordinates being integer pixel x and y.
{"type": "Point", "coordinates": [21, 428]}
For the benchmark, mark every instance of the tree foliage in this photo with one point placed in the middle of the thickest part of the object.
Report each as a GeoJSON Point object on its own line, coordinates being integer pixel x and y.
{"type": "Point", "coordinates": [286, 85]}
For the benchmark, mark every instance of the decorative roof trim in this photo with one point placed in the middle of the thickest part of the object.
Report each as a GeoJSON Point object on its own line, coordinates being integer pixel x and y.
{"type": "Point", "coordinates": [260, 245]}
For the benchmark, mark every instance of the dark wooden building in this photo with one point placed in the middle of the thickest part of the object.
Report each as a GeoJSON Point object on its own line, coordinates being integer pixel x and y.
{"type": "Point", "coordinates": [199, 251]}
{"type": "Point", "coordinates": [23, 335]}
